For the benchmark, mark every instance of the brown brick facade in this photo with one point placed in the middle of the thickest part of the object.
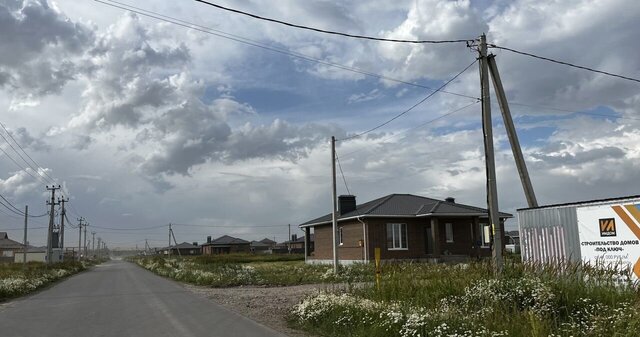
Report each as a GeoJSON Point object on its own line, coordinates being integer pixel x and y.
{"type": "Point", "coordinates": [466, 239]}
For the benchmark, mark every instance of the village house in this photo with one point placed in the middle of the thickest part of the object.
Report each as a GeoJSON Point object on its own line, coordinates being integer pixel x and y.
{"type": "Point", "coordinates": [224, 245]}
{"type": "Point", "coordinates": [296, 244]}
{"type": "Point", "coordinates": [183, 249]}
{"type": "Point", "coordinates": [404, 227]}
{"type": "Point", "coordinates": [8, 248]}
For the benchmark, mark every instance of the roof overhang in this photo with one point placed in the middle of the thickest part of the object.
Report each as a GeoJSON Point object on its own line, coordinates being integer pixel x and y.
{"type": "Point", "coordinates": [448, 215]}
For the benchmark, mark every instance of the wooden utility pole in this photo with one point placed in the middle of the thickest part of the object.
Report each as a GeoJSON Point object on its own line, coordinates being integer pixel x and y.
{"type": "Point", "coordinates": [174, 242]}
{"type": "Point", "coordinates": [492, 190]}
{"type": "Point", "coordinates": [25, 245]}
{"type": "Point", "coordinates": [511, 133]}
{"type": "Point", "coordinates": [51, 216]}
{"type": "Point", "coordinates": [334, 198]}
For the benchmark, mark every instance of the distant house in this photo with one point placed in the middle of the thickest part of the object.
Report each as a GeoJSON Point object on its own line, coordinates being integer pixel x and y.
{"type": "Point", "coordinates": [403, 226]}
{"type": "Point", "coordinates": [260, 247]}
{"type": "Point", "coordinates": [296, 245]}
{"type": "Point", "coordinates": [34, 254]}
{"type": "Point", "coordinates": [183, 249]}
{"type": "Point", "coordinates": [269, 242]}
{"type": "Point", "coordinates": [8, 248]}
{"type": "Point", "coordinates": [224, 245]}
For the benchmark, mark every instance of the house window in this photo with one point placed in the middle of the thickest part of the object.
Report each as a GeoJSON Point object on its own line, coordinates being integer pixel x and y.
{"type": "Point", "coordinates": [448, 232]}
{"type": "Point", "coordinates": [485, 230]}
{"type": "Point", "coordinates": [340, 236]}
{"type": "Point", "coordinates": [396, 236]}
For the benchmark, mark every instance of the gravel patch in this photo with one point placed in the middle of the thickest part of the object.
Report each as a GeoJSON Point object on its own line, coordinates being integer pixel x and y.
{"type": "Point", "coordinates": [267, 305]}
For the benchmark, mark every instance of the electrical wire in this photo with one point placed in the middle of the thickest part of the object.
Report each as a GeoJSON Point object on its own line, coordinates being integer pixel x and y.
{"type": "Point", "coordinates": [563, 63]}
{"type": "Point", "coordinates": [330, 31]}
{"type": "Point", "coordinates": [37, 168]}
{"type": "Point", "coordinates": [342, 173]}
{"type": "Point", "coordinates": [129, 229]}
{"type": "Point", "coordinates": [254, 43]}
{"type": "Point", "coordinates": [15, 209]}
{"type": "Point", "coordinates": [22, 168]}
{"type": "Point", "coordinates": [411, 108]}
{"type": "Point", "coordinates": [571, 111]}
{"type": "Point", "coordinates": [415, 127]}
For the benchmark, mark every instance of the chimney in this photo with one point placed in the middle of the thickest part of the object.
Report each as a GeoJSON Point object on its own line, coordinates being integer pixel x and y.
{"type": "Point", "coordinates": [294, 237]}
{"type": "Point", "coordinates": [346, 204]}
{"type": "Point", "coordinates": [195, 243]}
{"type": "Point", "coordinates": [208, 239]}
{"type": "Point", "coordinates": [450, 199]}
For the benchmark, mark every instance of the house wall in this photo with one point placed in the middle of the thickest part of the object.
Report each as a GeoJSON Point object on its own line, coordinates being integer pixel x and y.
{"type": "Point", "coordinates": [466, 239]}
{"type": "Point", "coordinates": [225, 249]}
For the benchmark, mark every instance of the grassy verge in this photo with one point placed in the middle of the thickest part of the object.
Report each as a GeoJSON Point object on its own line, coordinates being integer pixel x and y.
{"type": "Point", "coordinates": [17, 280]}
{"type": "Point", "coordinates": [467, 300]}
{"type": "Point", "coordinates": [244, 269]}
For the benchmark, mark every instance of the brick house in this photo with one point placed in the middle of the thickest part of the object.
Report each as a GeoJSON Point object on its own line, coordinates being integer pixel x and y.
{"type": "Point", "coordinates": [403, 226]}
{"type": "Point", "coordinates": [225, 245]}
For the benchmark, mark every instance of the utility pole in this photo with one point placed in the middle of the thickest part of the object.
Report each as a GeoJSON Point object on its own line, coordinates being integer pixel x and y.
{"type": "Point", "coordinates": [335, 204]}
{"type": "Point", "coordinates": [80, 220]}
{"type": "Point", "coordinates": [85, 239]}
{"type": "Point", "coordinates": [492, 193]}
{"type": "Point", "coordinates": [93, 242]}
{"type": "Point", "coordinates": [169, 247]}
{"type": "Point", "coordinates": [51, 215]}
{"type": "Point", "coordinates": [24, 248]}
{"type": "Point", "coordinates": [290, 239]}
{"type": "Point", "coordinates": [174, 241]}
{"type": "Point", "coordinates": [99, 245]}
{"type": "Point", "coordinates": [511, 133]}
{"type": "Point", "coordinates": [61, 201]}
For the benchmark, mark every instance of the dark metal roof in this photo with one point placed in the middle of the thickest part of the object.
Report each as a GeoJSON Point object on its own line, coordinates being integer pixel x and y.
{"type": "Point", "coordinates": [267, 241]}
{"type": "Point", "coordinates": [7, 243]}
{"type": "Point", "coordinates": [226, 240]}
{"type": "Point", "coordinates": [407, 205]}
{"type": "Point", "coordinates": [575, 203]}
{"type": "Point", "coordinates": [185, 245]}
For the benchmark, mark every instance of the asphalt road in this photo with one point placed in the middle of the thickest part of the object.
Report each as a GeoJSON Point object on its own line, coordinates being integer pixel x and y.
{"type": "Point", "coordinates": [121, 299]}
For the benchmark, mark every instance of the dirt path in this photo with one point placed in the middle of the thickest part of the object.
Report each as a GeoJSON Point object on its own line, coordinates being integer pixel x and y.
{"type": "Point", "coordinates": [267, 305]}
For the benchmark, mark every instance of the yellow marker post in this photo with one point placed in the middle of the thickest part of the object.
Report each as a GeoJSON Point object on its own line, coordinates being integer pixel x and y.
{"type": "Point", "coordinates": [378, 269]}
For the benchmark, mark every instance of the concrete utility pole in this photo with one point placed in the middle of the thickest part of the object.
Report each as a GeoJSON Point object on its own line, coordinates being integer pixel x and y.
{"type": "Point", "coordinates": [99, 245]}
{"type": "Point", "coordinates": [174, 242]}
{"type": "Point", "coordinates": [334, 198]}
{"type": "Point", "coordinates": [80, 220]}
{"type": "Point", "coordinates": [492, 190]}
{"type": "Point", "coordinates": [511, 133]}
{"type": "Point", "coordinates": [290, 239]}
{"type": "Point", "coordinates": [51, 215]}
{"type": "Point", "coordinates": [61, 201]}
{"type": "Point", "coordinates": [169, 247]}
{"type": "Point", "coordinates": [85, 239]}
{"type": "Point", "coordinates": [24, 248]}
{"type": "Point", "coordinates": [93, 242]}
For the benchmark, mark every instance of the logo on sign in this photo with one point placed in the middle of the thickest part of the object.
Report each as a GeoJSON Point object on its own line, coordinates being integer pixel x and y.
{"type": "Point", "coordinates": [608, 227]}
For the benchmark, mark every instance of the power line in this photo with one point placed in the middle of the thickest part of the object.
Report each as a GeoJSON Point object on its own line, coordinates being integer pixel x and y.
{"type": "Point", "coordinates": [15, 209]}
{"type": "Point", "coordinates": [342, 173]}
{"type": "Point", "coordinates": [412, 107]}
{"type": "Point", "coordinates": [228, 226]}
{"type": "Point", "coordinates": [571, 111]}
{"type": "Point", "coordinates": [416, 127]}
{"type": "Point", "coordinates": [254, 43]}
{"type": "Point", "coordinates": [37, 170]}
{"type": "Point", "coordinates": [22, 168]}
{"type": "Point", "coordinates": [564, 63]}
{"type": "Point", "coordinates": [330, 31]}
{"type": "Point", "coordinates": [128, 229]}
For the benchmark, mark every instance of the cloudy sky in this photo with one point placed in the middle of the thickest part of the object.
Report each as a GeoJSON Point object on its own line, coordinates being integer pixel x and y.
{"type": "Point", "coordinates": [146, 122]}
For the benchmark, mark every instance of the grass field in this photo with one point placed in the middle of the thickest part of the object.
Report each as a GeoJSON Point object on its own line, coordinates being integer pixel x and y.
{"type": "Point", "coordinates": [467, 300]}
{"type": "Point", "coordinates": [17, 280]}
{"type": "Point", "coordinates": [248, 269]}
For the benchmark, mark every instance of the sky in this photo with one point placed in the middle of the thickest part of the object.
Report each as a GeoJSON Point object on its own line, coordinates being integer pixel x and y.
{"type": "Point", "coordinates": [145, 122]}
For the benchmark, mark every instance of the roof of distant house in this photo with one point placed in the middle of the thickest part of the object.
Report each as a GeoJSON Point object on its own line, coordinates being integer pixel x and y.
{"type": "Point", "coordinates": [226, 240]}
{"type": "Point", "coordinates": [406, 205]}
{"type": "Point", "coordinates": [267, 241]}
{"type": "Point", "coordinates": [185, 245]}
{"type": "Point", "coordinates": [259, 244]}
{"type": "Point", "coordinates": [299, 239]}
{"type": "Point", "coordinates": [7, 243]}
